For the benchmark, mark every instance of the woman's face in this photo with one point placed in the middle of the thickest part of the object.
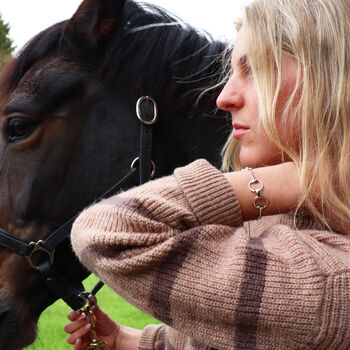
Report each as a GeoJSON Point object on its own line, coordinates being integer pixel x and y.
{"type": "Point", "coordinates": [239, 97]}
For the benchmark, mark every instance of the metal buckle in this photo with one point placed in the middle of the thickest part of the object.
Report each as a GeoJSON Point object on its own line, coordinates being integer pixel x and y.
{"type": "Point", "coordinates": [38, 247]}
{"type": "Point", "coordinates": [89, 298]}
{"type": "Point", "coordinates": [153, 173]}
{"type": "Point", "coordinates": [155, 110]}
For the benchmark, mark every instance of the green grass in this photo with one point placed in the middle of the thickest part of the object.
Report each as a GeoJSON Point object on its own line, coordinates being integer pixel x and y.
{"type": "Point", "coordinates": [52, 320]}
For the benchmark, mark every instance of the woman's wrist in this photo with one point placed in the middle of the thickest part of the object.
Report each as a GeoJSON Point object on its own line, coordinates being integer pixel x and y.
{"type": "Point", "coordinates": [280, 188]}
{"type": "Point", "coordinates": [127, 338]}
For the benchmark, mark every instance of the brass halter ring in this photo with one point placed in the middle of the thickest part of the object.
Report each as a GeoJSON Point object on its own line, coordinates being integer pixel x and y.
{"type": "Point", "coordinates": [153, 173]}
{"type": "Point", "coordinates": [36, 248]}
{"type": "Point", "coordinates": [138, 110]}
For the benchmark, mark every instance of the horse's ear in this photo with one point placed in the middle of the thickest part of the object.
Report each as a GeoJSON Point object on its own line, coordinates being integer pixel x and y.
{"type": "Point", "coordinates": [93, 20]}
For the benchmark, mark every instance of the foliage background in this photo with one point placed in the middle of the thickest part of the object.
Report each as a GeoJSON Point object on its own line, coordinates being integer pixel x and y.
{"type": "Point", "coordinates": [6, 43]}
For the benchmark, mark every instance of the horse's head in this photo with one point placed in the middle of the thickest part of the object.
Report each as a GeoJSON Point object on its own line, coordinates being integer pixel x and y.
{"type": "Point", "coordinates": [69, 130]}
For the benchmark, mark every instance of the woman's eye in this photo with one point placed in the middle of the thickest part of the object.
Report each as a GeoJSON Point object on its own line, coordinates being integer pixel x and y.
{"type": "Point", "coordinates": [246, 70]}
{"type": "Point", "coordinates": [19, 128]}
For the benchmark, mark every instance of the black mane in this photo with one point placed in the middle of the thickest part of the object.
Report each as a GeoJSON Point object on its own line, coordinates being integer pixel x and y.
{"type": "Point", "coordinates": [143, 30]}
{"type": "Point", "coordinates": [159, 32]}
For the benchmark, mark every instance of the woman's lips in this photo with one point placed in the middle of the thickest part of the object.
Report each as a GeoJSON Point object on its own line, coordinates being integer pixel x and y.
{"type": "Point", "coordinates": [239, 130]}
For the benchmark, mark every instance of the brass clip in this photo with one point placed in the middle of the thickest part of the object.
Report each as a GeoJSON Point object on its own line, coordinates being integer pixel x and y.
{"type": "Point", "coordinates": [38, 247]}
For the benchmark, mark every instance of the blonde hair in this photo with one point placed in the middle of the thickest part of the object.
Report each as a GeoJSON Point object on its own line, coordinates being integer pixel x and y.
{"type": "Point", "coordinates": [316, 33]}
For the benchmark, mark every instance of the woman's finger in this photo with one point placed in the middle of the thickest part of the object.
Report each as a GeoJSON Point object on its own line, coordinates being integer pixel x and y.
{"type": "Point", "coordinates": [80, 333]}
{"type": "Point", "coordinates": [78, 344]}
{"type": "Point", "coordinates": [100, 314]}
{"type": "Point", "coordinates": [73, 315]}
{"type": "Point", "coordinates": [75, 325]}
{"type": "Point", "coordinates": [105, 325]}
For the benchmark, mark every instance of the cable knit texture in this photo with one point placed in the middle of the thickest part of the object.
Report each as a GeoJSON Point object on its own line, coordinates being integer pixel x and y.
{"type": "Point", "coordinates": [177, 249]}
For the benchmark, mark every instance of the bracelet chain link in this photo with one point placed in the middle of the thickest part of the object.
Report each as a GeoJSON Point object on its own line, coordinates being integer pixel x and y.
{"type": "Point", "coordinates": [260, 201]}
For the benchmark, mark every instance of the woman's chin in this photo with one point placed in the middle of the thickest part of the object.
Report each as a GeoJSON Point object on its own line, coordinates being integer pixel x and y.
{"type": "Point", "coordinates": [249, 162]}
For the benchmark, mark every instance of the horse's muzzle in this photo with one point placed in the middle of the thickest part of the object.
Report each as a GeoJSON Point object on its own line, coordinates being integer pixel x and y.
{"type": "Point", "coordinates": [10, 337]}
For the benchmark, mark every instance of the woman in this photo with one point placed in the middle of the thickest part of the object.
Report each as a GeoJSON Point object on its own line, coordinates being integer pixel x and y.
{"type": "Point", "coordinates": [255, 259]}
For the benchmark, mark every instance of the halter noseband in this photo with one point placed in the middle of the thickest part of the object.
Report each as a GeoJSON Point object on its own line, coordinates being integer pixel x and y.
{"type": "Point", "coordinates": [75, 296]}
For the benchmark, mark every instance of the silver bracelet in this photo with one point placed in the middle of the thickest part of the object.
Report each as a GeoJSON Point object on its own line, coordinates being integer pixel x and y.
{"type": "Point", "coordinates": [260, 202]}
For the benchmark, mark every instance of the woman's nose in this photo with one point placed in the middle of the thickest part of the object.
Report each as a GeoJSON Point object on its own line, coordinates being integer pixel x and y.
{"type": "Point", "coordinates": [231, 97]}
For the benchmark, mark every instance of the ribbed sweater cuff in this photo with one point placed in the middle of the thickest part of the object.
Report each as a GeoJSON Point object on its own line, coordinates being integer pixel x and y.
{"type": "Point", "coordinates": [148, 337]}
{"type": "Point", "coordinates": [209, 194]}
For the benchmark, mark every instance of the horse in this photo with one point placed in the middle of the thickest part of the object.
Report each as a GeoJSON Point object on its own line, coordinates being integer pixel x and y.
{"type": "Point", "coordinates": [69, 131]}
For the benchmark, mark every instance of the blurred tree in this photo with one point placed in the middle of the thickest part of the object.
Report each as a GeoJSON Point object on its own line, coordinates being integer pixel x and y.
{"type": "Point", "coordinates": [6, 43]}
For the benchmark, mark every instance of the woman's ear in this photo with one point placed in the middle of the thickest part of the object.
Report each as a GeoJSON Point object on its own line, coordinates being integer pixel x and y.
{"type": "Point", "coordinates": [92, 20]}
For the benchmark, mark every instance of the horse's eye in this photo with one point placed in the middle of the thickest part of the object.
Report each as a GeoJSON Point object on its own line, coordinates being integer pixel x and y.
{"type": "Point", "coordinates": [19, 128]}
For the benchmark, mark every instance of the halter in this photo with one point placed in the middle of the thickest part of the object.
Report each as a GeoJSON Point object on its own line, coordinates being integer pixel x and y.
{"type": "Point", "coordinates": [75, 296]}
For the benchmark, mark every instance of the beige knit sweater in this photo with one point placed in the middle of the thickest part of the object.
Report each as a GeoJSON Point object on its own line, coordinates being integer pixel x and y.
{"type": "Point", "coordinates": [177, 249]}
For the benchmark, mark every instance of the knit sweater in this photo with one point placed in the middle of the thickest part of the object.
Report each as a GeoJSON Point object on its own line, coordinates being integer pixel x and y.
{"type": "Point", "coordinates": [177, 248]}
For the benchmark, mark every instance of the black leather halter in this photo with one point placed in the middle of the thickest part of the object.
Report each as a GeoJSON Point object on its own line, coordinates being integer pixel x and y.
{"type": "Point", "coordinates": [76, 296]}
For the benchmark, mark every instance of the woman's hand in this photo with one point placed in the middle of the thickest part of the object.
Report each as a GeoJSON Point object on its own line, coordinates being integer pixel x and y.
{"type": "Point", "coordinates": [107, 330]}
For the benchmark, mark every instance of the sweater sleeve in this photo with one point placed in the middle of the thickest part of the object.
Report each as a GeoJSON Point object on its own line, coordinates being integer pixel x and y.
{"type": "Point", "coordinates": [176, 249]}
